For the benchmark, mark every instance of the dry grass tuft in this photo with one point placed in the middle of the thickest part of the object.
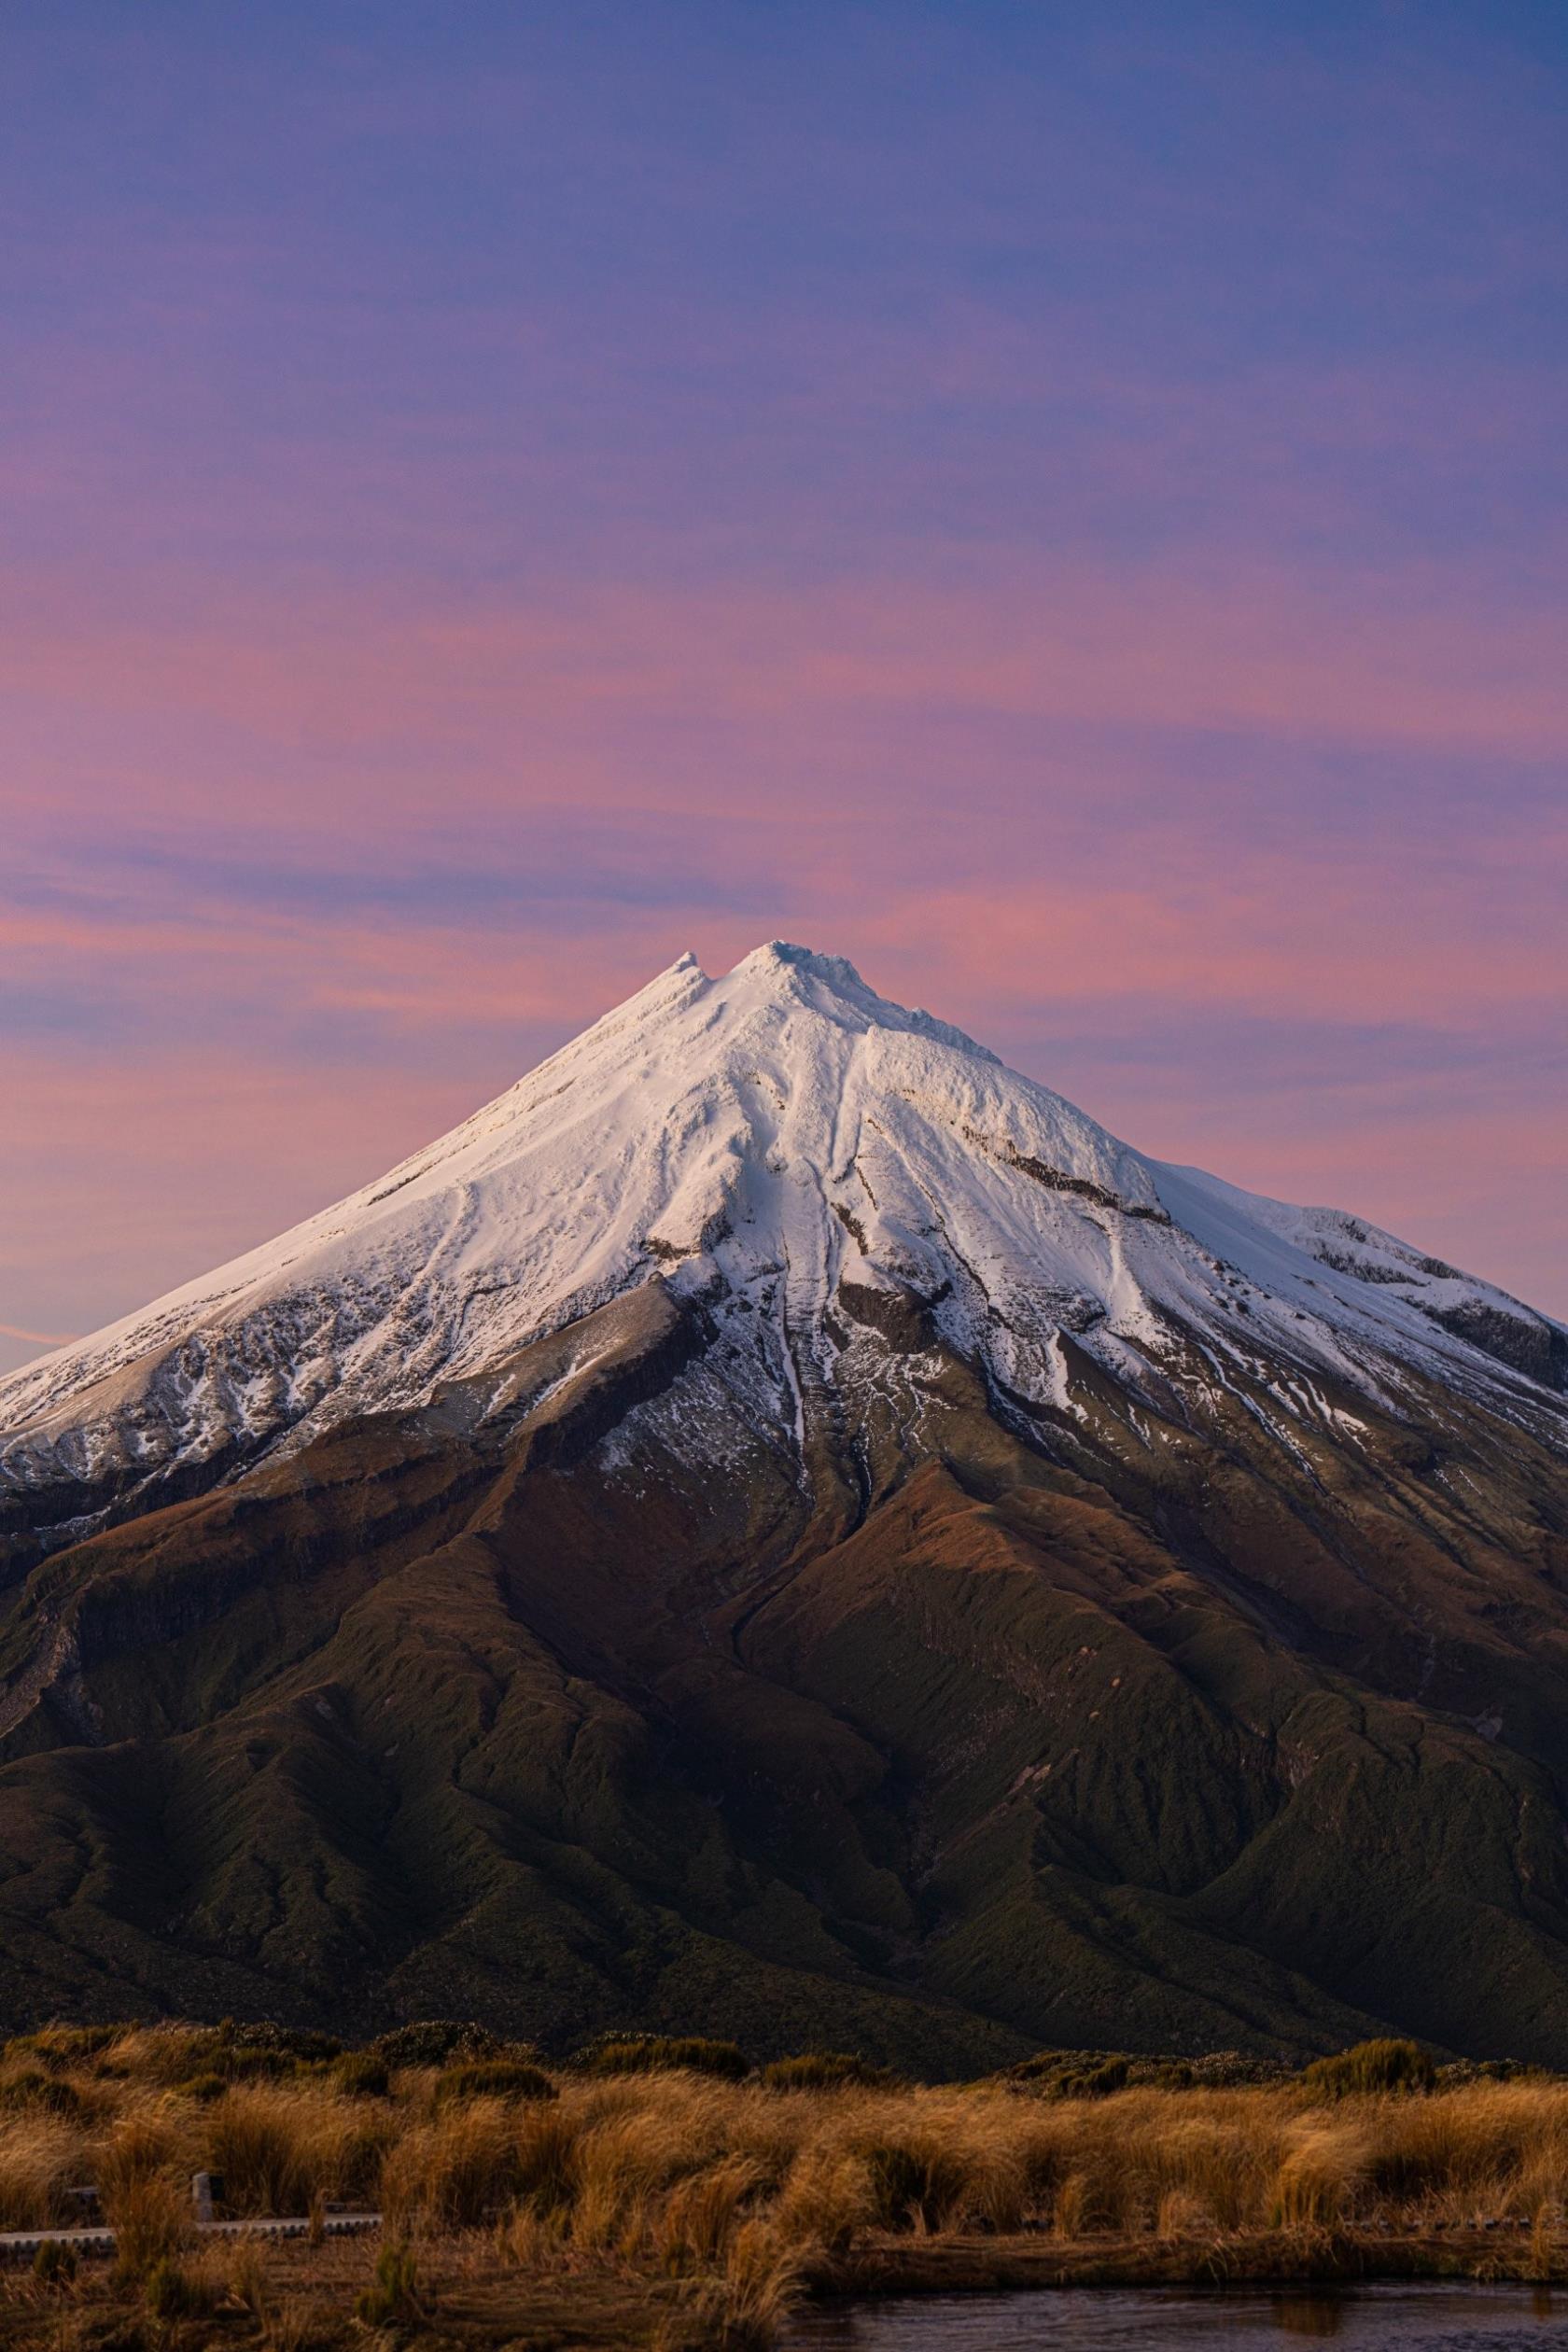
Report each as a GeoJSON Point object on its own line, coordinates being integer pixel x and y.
{"type": "Point", "coordinates": [744, 2304]}
{"type": "Point", "coordinates": [152, 2224]}
{"type": "Point", "coordinates": [699, 2217]}
{"type": "Point", "coordinates": [41, 2156]}
{"type": "Point", "coordinates": [826, 2201]}
{"type": "Point", "coordinates": [455, 2173]}
{"type": "Point", "coordinates": [278, 2147]}
{"type": "Point", "coordinates": [1322, 2180]}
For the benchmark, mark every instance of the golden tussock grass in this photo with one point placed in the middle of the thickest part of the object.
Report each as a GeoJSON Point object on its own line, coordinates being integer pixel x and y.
{"type": "Point", "coordinates": [280, 2145]}
{"type": "Point", "coordinates": [41, 2156]}
{"type": "Point", "coordinates": [733, 2197]}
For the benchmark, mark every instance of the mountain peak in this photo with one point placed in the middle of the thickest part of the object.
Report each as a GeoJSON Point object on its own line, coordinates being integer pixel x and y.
{"type": "Point", "coordinates": [767, 1145]}
{"type": "Point", "coordinates": [783, 957]}
{"type": "Point", "coordinates": [771, 1447]}
{"type": "Point", "coordinates": [832, 986]}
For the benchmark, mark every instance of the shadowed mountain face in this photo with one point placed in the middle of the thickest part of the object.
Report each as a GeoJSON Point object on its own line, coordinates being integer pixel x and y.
{"type": "Point", "coordinates": [781, 1526]}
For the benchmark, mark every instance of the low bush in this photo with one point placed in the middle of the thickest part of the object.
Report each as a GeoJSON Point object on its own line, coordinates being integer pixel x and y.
{"type": "Point", "coordinates": [1370, 2068]}
{"type": "Point", "coordinates": [297, 2042]}
{"type": "Point", "coordinates": [826, 2070]}
{"type": "Point", "coordinates": [663, 2053]}
{"type": "Point", "coordinates": [1460, 2074]}
{"type": "Point", "coordinates": [184, 2058]}
{"type": "Point", "coordinates": [493, 2079]}
{"type": "Point", "coordinates": [1071, 2074]}
{"type": "Point", "coordinates": [436, 2041]}
{"type": "Point", "coordinates": [1235, 2070]}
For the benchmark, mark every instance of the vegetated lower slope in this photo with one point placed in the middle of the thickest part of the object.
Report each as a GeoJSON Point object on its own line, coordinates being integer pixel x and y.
{"type": "Point", "coordinates": [865, 1558]}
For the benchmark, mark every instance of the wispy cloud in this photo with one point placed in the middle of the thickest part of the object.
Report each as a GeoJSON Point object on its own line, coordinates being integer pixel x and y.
{"type": "Point", "coordinates": [1066, 507]}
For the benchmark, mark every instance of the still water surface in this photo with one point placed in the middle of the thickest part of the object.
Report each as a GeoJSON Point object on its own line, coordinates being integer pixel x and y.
{"type": "Point", "coordinates": [1393, 2317]}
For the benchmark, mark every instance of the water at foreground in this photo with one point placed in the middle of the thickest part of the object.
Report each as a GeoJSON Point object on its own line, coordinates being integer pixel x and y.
{"type": "Point", "coordinates": [1394, 2317]}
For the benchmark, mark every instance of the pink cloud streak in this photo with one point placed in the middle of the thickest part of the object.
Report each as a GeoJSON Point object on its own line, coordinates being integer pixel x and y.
{"type": "Point", "coordinates": [1395, 659]}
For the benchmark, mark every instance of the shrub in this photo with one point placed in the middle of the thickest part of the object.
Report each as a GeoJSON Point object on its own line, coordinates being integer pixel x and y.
{"type": "Point", "coordinates": [826, 2070]}
{"type": "Point", "coordinates": [1236, 2069]}
{"type": "Point", "coordinates": [436, 2041]}
{"type": "Point", "coordinates": [1071, 2074]}
{"type": "Point", "coordinates": [393, 2295]}
{"type": "Point", "coordinates": [1370, 2068]}
{"type": "Point", "coordinates": [359, 2074]}
{"type": "Point", "coordinates": [1160, 2074]}
{"type": "Point", "coordinates": [198, 2057]}
{"type": "Point", "coordinates": [1461, 2072]}
{"type": "Point", "coordinates": [493, 2079]}
{"type": "Point", "coordinates": [295, 2042]}
{"type": "Point", "coordinates": [659, 2053]}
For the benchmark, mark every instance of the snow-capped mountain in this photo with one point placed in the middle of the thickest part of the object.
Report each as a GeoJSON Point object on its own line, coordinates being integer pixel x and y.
{"type": "Point", "coordinates": [780, 1526]}
{"type": "Point", "coordinates": [796, 1158]}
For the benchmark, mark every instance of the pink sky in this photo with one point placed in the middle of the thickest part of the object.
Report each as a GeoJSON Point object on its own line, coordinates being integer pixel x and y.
{"type": "Point", "coordinates": [1068, 515]}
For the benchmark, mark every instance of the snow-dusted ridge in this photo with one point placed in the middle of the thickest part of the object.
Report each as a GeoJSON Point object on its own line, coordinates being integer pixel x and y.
{"type": "Point", "coordinates": [762, 1141]}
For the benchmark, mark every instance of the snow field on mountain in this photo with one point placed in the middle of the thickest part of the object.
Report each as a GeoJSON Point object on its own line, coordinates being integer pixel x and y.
{"type": "Point", "coordinates": [756, 1140]}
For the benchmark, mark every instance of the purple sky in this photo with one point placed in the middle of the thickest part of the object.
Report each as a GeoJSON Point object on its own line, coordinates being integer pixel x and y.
{"type": "Point", "coordinates": [1065, 506]}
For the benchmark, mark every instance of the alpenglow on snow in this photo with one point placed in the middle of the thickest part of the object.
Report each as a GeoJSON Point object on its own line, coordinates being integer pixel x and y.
{"type": "Point", "coordinates": [765, 1147]}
